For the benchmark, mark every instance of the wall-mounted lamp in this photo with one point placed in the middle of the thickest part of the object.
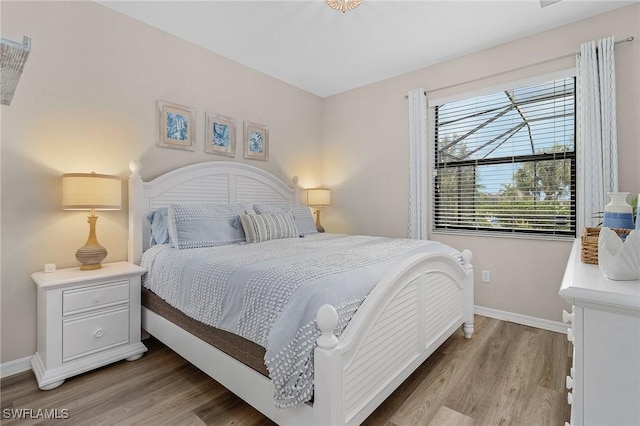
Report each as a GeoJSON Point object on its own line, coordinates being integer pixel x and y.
{"type": "Point", "coordinates": [318, 198]}
{"type": "Point", "coordinates": [91, 191]}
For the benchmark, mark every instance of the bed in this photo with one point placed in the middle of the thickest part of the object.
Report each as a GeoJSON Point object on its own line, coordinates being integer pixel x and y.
{"type": "Point", "coordinates": [422, 299]}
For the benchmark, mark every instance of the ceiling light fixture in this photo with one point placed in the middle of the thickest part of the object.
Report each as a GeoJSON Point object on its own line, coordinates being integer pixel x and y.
{"type": "Point", "coordinates": [343, 5]}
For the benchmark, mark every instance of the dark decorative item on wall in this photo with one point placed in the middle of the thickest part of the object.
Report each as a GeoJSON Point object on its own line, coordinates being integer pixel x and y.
{"type": "Point", "coordinates": [13, 56]}
{"type": "Point", "coordinates": [256, 141]}
{"type": "Point", "coordinates": [220, 137]}
{"type": "Point", "coordinates": [176, 126]}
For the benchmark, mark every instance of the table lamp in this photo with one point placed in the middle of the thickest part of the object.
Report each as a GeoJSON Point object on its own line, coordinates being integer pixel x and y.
{"type": "Point", "coordinates": [91, 191]}
{"type": "Point", "coordinates": [318, 198]}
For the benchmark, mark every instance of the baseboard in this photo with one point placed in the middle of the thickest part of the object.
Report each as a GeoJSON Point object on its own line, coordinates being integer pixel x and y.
{"type": "Point", "coordinates": [544, 324]}
{"type": "Point", "coordinates": [14, 367]}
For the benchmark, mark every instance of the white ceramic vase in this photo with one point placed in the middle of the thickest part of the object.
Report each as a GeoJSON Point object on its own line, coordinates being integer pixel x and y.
{"type": "Point", "coordinates": [618, 259]}
{"type": "Point", "coordinates": [618, 213]}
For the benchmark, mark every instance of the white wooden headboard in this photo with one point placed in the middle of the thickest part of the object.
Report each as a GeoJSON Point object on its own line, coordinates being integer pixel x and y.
{"type": "Point", "coordinates": [213, 182]}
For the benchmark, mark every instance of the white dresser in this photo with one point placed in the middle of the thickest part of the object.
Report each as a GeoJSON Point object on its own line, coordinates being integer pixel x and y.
{"type": "Point", "coordinates": [604, 382]}
{"type": "Point", "coordinates": [86, 319]}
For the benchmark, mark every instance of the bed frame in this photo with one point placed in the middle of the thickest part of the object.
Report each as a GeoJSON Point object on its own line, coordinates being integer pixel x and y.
{"type": "Point", "coordinates": [408, 315]}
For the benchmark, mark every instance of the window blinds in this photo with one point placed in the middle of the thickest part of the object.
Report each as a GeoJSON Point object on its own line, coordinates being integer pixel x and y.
{"type": "Point", "coordinates": [506, 161]}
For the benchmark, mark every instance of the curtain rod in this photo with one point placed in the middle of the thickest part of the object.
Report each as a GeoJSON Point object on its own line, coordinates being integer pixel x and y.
{"type": "Point", "coordinates": [628, 39]}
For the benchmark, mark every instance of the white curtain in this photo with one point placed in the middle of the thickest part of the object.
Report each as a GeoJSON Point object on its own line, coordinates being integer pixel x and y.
{"type": "Point", "coordinates": [418, 166]}
{"type": "Point", "coordinates": [597, 147]}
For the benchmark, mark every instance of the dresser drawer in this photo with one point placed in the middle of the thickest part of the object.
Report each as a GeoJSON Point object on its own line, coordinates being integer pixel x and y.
{"type": "Point", "coordinates": [86, 334]}
{"type": "Point", "coordinates": [87, 298]}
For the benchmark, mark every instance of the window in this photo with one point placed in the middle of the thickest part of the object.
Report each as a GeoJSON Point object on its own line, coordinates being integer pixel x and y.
{"type": "Point", "coordinates": [505, 162]}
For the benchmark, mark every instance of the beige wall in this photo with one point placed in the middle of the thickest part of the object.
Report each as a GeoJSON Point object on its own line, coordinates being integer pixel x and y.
{"type": "Point", "coordinates": [87, 102]}
{"type": "Point", "coordinates": [365, 153]}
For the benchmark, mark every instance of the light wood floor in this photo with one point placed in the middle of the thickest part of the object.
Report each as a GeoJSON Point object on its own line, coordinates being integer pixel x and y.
{"type": "Point", "coordinates": [507, 374]}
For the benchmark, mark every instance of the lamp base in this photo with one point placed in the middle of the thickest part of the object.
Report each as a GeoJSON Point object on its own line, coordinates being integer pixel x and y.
{"type": "Point", "coordinates": [319, 227]}
{"type": "Point", "coordinates": [91, 256]}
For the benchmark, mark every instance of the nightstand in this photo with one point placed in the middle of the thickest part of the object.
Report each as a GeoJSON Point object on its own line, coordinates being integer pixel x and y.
{"type": "Point", "coordinates": [86, 319]}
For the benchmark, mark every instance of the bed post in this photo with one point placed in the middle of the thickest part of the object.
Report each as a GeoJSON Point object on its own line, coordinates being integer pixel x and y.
{"type": "Point", "coordinates": [468, 294]}
{"type": "Point", "coordinates": [296, 190]}
{"type": "Point", "coordinates": [134, 248]}
{"type": "Point", "coordinates": [327, 400]}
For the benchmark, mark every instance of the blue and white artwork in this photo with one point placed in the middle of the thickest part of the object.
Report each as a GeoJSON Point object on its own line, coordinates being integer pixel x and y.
{"type": "Point", "coordinates": [221, 135]}
{"type": "Point", "coordinates": [177, 126]}
{"type": "Point", "coordinates": [256, 142]}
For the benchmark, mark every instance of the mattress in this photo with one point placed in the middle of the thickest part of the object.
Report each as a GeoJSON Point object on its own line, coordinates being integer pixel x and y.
{"type": "Point", "coordinates": [245, 351]}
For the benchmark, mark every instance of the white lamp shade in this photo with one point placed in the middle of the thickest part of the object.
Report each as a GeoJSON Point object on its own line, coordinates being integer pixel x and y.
{"type": "Point", "coordinates": [86, 191]}
{"type": "Point", "coordinates": [318, 197]}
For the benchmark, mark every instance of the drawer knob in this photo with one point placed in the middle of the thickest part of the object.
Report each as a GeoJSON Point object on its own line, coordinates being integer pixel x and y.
{"type": "Point", "coordinates": [567, 317]}
{"type": "Point", "coordinates": [569, 383]}
{"type": "Point", "coordinates": [570, 398]}
{"type": "Point", "coordinates": [99, 298]}
{"type": "Point", "coordinates": [99, 333]}
{"type": "Point", "coordinates": [570, 335]}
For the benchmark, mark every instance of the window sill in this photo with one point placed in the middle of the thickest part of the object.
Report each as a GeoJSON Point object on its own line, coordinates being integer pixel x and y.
{"type": "Point", "coordinates": [513, 235]}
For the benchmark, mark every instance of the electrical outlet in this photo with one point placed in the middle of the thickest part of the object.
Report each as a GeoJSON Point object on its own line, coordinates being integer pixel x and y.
{"type": "Point", "coordinates": [486, 276]}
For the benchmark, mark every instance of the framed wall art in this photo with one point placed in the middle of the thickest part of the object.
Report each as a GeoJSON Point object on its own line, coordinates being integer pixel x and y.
{"type": "Point", "coordinates": [176, 126]}
{"type": "Point", "coordinates": [256, 141]}
{"type": "Point", "coordinates": [220, 135]}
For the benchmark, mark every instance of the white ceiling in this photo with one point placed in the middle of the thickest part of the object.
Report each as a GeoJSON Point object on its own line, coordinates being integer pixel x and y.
{"type": "Point", "coordinates": [320, 50]}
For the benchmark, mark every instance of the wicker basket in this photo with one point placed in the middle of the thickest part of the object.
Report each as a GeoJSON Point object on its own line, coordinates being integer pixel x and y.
{"type": "Point", "coordinates": [589, 252]}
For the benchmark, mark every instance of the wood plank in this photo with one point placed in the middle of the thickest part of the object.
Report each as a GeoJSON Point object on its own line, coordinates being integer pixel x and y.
{"type": "Point", "coordinates": [446, 416]}
{"type": "Point", "coordinates": [505, 374]}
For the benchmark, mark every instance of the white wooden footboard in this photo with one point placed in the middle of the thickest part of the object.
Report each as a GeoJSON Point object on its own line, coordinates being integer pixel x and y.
{"type": "Point", "coordinates": [404, 319]}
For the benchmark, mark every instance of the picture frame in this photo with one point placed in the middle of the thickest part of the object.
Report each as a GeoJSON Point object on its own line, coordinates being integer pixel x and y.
{"type": "Point", "coordinates": [220, 135]}
{"type": "Point", "coordinates": [256, 141]}
{"type": "Point", "coordinates": [176, 126]}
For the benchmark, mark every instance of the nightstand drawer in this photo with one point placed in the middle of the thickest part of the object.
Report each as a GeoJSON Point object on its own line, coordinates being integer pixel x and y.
{"type": "Point", "coordinates": [87, 334]}
{"type": "Point", "coordinates": [82, 299]}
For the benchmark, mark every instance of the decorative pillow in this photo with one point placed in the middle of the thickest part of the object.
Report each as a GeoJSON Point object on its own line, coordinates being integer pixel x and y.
{"type": "Point", "coordinates": [192, 226]}
{"type": "Point", "coordinates": [301, 214]}
{"type": "Point", "coordinates": [159, 231]}
{"type": "Point", "coordinates": [268, 226]}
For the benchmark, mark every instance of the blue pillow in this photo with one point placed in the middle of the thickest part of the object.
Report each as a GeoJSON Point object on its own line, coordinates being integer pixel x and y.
{"type": "Point", "coordinates": [159, 232]}
{"type": "Point", "coordinates": [301, 214]}
{"type": "Point", "coordinates": [193, 226]}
